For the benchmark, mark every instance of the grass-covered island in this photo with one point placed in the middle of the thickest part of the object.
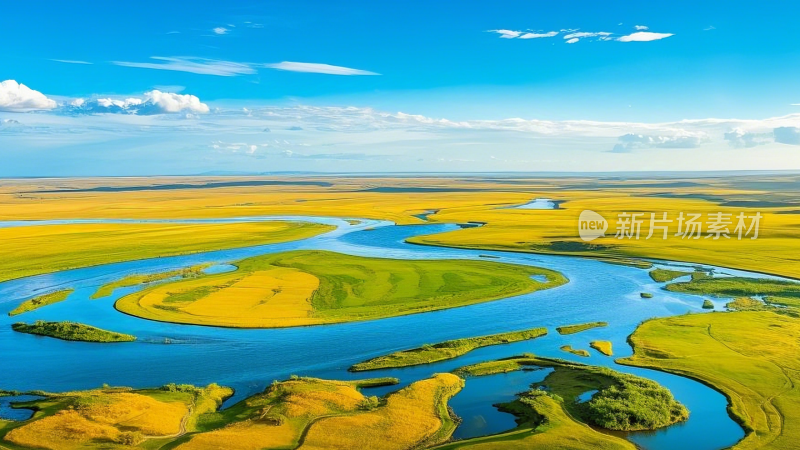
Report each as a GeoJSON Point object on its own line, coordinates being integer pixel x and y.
{"type": "Point", "coordinates": [311, 287]}
{"type": "Point", "coordinates": [41, 301]}
{"type": "Point", "coordinates": [137, 279]}
{"type": "Point", "coordinates": [575, 351]}
{"type": "Point", "coordinates": [665, 275]}
{"type": "Point", "coordinates": [444, 350]}
{"type": "Point", "coordinates": [604, 347]}
{"type": "Point", "coordinates": [645, 295]}
{"type": "Point", "coordinates": [622, 402]}
{"type": "Point", "coordinates": [572, 329]}
{"type": "Point", "coordinates": [71, 331]}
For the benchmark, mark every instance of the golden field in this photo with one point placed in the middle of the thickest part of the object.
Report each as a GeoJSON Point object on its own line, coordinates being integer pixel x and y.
{"type": "Point", "coordinates": [466, 199]}
{"type": "Point", "coordinates": [50, 248]}
{"type": "Point", "coordinates": [312, 287]}
{"type": "Point", "coordinates": [415, 416]}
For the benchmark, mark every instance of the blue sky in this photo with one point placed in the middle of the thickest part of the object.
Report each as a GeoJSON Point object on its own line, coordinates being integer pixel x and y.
{"type": "Point", "coordinates": [127, 88]}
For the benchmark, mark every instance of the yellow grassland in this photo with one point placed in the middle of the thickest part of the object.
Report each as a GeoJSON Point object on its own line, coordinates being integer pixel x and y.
{"type": "Point", "coordinates": [483, 201]}
{"type": "Point", "coordinates": [101, 419]}
{"type": "Point", "coordinates": [269, 298]}
{"type": "Point", "coordinates": [44, 249]}
{"type": "Point", "coordinates": [411, 418]}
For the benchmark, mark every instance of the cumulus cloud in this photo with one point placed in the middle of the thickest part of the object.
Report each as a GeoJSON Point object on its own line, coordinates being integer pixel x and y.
{"type": "Point", "coordinates": [220, 30]}
{"type": "Point", "coordinates": [739, 138]}
{"type": "Point", "coordinates": [787, 135]}
{"type": "Point", "coordinates": [200, 66]}
{"type": "Point", "coordinates": [644, 36]}
{"type": "Point", "coordinates": [632, 141]}
{"type": "Point", "coordinates": [17, 97]}
{"type": "Point", "coordinates": [152, 102]}
{"type": "Point", "coordinates": [317, 68]}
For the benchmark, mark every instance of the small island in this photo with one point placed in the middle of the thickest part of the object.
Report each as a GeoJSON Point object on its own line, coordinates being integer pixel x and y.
{"type": "Point", "coordinates": [646, 295]}
{"type": "Point", "coordinates": [572, 329]}
{"type": "Point", "coordinates": [575, 351]}
{"type": "Point", "coordinates": [41, 301]}
{"type": "Point", "coordinates": [444, 350]}
{"type": "Point", "coordinates": [71, 331]}
{"type": "Point", "coordinates": [603, 347]}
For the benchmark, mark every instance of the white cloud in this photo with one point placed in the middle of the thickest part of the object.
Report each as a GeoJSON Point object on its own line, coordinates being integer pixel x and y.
{"type": "Point", "coordinates": [572, 38]}
{"type": "Point", "coordinates": [507, 34]}
{"type": "Point", "coordinates": [739, 138]}
{"type": "Point", "coordinates": [317, 68]}
{"type": "Point", "coordinates": [787, 135]}
{"type": "Point", "coordinates": [173, 103]}
{"type": "Point", "coordinates": [684, 139]}
{"type": "Point", "coordinates": [152, 102]}
{"type": "Point", "coordinates": [200, 66]}
{"type": "Point", "coordinates": [220, 30]}
{"type": "Point", "coordinates": [71, 61]}
{"type": "Point", "coordinates": [644, 36]}
{"type": "Point", "coordinates": [539, 35]}
{"type": "Point", "coordinates": [17, 97]}
{"type": "Point", "coordinates": [641, 27]}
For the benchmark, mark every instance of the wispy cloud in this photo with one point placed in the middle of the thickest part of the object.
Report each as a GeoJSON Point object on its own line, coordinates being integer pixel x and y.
{"type": "Point", "coordinates": [200, 66]}
{"type": "Point", "coordinates": [220, 30]}
{"type": "Point", "coordinates": [644, 36]}
{"type": "Point", "coordinates": [511, 34]}
{"type": "Point", "coordinates": [573, 35]}
{"type": "Point", "coordinates": [71, 61]}
{"type": "Point", "coordinates": [317, 68]}
{"type": "Point", "coordinates": [507, 34]}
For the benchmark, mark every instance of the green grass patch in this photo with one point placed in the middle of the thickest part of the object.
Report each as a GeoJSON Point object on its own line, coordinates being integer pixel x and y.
{"type": "Point", "coordinates": [664, 275]}
{"type": "Point", "coordinates": [41, 301]}
{"type": "Point", "coordinates": [604, 347]}
{"type": "Point", "coordinates": [135, 280]}
{"type": "Point", "coordinates": [444, 350]}
{"type": "Point", "coordinates": [623, 402]}
{"type": "Point", "coordinates": [646, 295]}
{"type": "Point", "coordinates": [575, 351]}
{"type": "Point", "coordinates": [71, 331]}
{"type": "Point", "coordinates": [737, 287]}
{"type": "Point", "coordinates": [749, 356]}
{"type": "Point", "coordinates": [572, 329]}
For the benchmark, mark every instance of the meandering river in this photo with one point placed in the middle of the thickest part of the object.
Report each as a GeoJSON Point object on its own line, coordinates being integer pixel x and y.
{"type": "Point", "coordinates": [248, 360]}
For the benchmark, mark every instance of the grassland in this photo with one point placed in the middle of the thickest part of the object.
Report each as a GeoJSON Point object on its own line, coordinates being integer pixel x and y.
{"type": "Point", "coordinates": [461, 200]}
{"type": "Point", "coordinates": [317, 287]}
{"type": "Point", "coordinates": [45, 249]}
{"type": "Point", "coordinates": [444, 350]}
{"type": "Point", "coordinates": [310, 413]}
{"type": "Point", "coordinates": [604, 347]}
{"type": "Point", "coordinates": [543, 424]}
{"type": "Point", "coordinates": [664, 275]}
{"type": "Point", "coordinates": [572, 329]}
{"type": "Point", "coordinates": [749, 356]}
{"type": "Point", "coordinates": [575, 351]}
{"type": "Point", "coordinates": [135, 280]}
{"type": "Point", "coordinates": [622, 401]}
{"type": "Point", "coordinates": [112, 417]}
{"type": "Point", "coordinates": [41, 301]}
{"type": "Point", "coordinates": [737, 287]}
{"type": "Point", "coordinates": [70, 331]}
